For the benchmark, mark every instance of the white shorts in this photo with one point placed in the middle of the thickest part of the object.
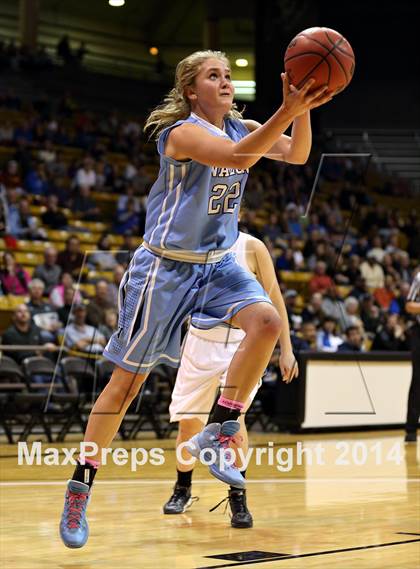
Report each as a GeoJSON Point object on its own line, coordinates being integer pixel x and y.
{"type": "Point", "coordinates": [202, 372]}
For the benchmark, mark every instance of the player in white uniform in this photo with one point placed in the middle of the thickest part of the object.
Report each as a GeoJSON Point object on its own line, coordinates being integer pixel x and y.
{"type": "Point", "coordinates": [205, 360]}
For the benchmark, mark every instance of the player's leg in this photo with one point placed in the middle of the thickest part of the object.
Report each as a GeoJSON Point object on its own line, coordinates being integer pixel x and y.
{"type": "Point", "coordinates": [246, 305]}
{"type": "Point", "coordinates": [195, 389]}
{"type": "Point", "coordinates": [261, 324]}
{"type": "Point", "coordinates": [104, 422]}
{"type": "Point", "coordinates": [181, 499]}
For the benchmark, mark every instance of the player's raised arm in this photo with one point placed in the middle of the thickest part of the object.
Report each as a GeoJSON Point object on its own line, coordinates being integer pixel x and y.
{"type": "Point", "coordinates": [190, 141]}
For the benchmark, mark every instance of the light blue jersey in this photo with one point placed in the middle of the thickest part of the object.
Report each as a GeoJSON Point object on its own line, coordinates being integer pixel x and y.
{"type": "Point", "coordinates": [193, 207]}
{"type": "Point", "coordinates": [183, 267]}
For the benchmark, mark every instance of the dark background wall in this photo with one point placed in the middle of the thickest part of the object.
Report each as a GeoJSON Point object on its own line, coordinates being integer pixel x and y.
{"type": "Point", "coordinates": [385, 90]}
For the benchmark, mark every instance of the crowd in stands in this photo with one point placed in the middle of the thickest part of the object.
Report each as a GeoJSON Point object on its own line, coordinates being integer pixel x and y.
{"type": "Point", "coordinates": [344, 268]}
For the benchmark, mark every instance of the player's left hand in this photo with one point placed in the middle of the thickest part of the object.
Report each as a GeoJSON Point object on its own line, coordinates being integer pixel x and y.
{"type": "Point", "coordinates": [288, 366]}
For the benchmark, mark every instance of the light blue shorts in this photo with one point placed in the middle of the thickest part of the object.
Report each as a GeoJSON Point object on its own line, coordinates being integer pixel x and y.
{"type": "Point", "coordinates": [157, 295]}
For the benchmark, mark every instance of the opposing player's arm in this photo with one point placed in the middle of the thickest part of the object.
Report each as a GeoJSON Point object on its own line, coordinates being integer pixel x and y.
{"type": "Point", "coordinates": [266, 276]}
{"type": "Point", "coordinates": [293, 149]}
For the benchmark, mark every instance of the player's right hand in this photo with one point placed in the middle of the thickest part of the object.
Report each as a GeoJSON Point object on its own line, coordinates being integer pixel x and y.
{"type": "Point", "coordinates": [297, 102]}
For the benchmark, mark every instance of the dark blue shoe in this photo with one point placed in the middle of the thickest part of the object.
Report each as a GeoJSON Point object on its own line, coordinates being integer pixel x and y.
{"type": "Point", "coordinates": [74, 529]}
{"type": "Point", "coordinates": [217, 437]}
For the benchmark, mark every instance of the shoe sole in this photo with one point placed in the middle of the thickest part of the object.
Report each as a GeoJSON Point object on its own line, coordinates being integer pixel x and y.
{"type": "Point", "coordinates": [242, 526]}
{"type": "Point", "coordinates": [187, 505]}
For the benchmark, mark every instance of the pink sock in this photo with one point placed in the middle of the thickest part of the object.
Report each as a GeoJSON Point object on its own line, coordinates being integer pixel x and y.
{"type": "Point", "coordinates": [95, 463]}
{"type": "Point", "coordinates": [230, 403]}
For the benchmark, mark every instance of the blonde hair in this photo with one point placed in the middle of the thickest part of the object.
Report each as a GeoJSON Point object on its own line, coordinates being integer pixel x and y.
{"type": "Point", "coordinates": [176, 105]}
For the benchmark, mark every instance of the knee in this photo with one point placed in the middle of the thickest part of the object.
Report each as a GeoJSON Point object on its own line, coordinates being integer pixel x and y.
{"type": "Point", "coordinates": [125, 386]}
{"type": "Point", "coordinates": [267, 326]}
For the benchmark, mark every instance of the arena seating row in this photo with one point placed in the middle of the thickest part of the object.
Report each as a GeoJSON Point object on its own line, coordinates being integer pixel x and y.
{"type": "Point", "coordinates": [59, 397]}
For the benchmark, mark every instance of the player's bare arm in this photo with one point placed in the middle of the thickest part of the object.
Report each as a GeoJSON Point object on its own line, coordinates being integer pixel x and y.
{"type": "Point", "coordinates": [190, 141]}
{"type": "Point", "coordinates": [266, 276]}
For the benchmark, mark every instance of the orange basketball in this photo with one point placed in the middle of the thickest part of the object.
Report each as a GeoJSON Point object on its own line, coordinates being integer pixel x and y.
{"type": "Point", "coordinates": [322, 54]}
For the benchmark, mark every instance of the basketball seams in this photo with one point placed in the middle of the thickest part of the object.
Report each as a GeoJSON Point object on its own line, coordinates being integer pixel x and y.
{"type": "Point", "coordinates": [335, 47]}
{"type": "Point", "coordinates": [323, 58]}
{"type": "Point", "coordinates": [340, 49]}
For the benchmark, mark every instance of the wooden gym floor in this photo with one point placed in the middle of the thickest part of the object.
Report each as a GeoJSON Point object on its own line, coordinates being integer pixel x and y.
{"type": "Point", "coordinates": [362, 514]}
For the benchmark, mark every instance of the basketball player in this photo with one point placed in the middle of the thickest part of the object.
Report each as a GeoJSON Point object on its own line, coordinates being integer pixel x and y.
{"type": "Point", "coordinates": [206, 356]}
{"type": "Point", "coordinates": [413, 407]}
{"type": "Point", "coordinates": [183, 267]}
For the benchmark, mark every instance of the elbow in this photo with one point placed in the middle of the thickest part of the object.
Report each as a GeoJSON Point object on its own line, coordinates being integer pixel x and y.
{"type": "Point", "coordinates": [297, 159]}
{"type": "Point", "coordinates": [243, 162]}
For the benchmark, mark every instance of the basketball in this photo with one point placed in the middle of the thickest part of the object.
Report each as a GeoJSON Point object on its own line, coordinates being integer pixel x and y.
{"type": "Point", "coordinates": [322, 54]}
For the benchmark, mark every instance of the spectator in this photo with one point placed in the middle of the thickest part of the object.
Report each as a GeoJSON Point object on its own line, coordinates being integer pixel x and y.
{"type": "Point", "coordinates": [309, 335]}
{"type": "Point", "coordinates": [377, 251]}
{"type": "Point", "coordinates": [103, 259]}
{"type": "Point", "coordinates": [11, 177]}
{"type": "Point", "coordinates": [390, 336]}
{"type": "Point", "coordinates": [49, 272]}
{"type": "Point", "coordinates": [333, 306]}
{"type": "Point", "coordinates": [63, 50]}
{"type": "Point", "coordinates": [36, 182]}
{"type": "Point", "coordinates": [110, 323]}
{"type": "Point", "coordinates": [320, 282]}
{"type": "Point", "coordinates": [53, 217]}
{"type": "Point", "coordinates": [57, 293]}
{"type": "Point", "coordinates": [13, 278]}
{"type": "Point", "coordinates": [294, 225]}
{"type": "Point", "coordinates": [385, 295]}
{"type": "Point", "coordinates": [22, 224]}
{"type": "Point", "coordinates": [353, 342]}
{"type": "Point", "coordinates": [80, 336]}
{"type": "Point", "coordinates": [360, 288]}
{"type": "Point", "coordinates": [65, 310]}
{"type": "Point", "coordinates": [114, 287]}
{"type": "Point", "coordinates": [295, 320]}
{"type": "Point", "coordinates": [327, 340]}
{"type": "Point", "coordinates": [97, 306]}
{"type": "Point", "coordinates": [124, 255]}
{"type": "Point", "coordinates": [128, 195]}
{"type": "Point", "coordinates": [272, 230]}
{"type": "Point", "coordinates": [84, 206]}
{"type": "Point", "coordinates": [285, 261]}
{"type": "Point", "coordinates": [351, 305]}
{"type": "Point", "coordinates": [43, 314]}
{"type": "Point", "coordinates": [86, 175]}
{"type": "Point", "coordinates": [372, 272]}
{"type": "Point", "coordinates": [23, 332]}
{"type": "Point", "coordinates": [71, 259]}
{"type": "Point", "coordinates": [127, 219]}
{"type": "Point", "coordinates": [352, 272]}
{"type": "Point", "coordinates": [313, 310]}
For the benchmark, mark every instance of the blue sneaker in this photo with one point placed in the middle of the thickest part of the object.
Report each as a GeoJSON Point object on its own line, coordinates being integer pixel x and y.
{"type": "Point", "coordinates": [218, 437]}
{"type": "Point", "coordinates": [74, 529]}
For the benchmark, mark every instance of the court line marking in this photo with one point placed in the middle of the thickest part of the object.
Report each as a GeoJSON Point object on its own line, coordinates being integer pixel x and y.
{"type": "Point", "coordinates": [146, 482]}
{"type": "Point", "coordinates": [314, 554]}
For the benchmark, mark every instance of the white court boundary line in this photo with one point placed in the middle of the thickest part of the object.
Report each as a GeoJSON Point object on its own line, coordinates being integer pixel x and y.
{"type": "Point", "coordinates": [206, 482]}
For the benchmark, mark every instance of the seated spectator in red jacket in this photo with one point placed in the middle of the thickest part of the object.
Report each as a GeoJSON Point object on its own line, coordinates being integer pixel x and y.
{"type": "Point", "coordinates": [320, 282]}
{"type": "Point", "coordinates": [71, 259]}
{"type": "Point", "coordinates": [385, 295]}
{"type": "Point", "coordinates": [13, 278]}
